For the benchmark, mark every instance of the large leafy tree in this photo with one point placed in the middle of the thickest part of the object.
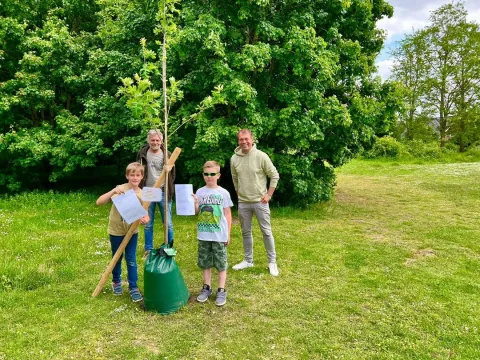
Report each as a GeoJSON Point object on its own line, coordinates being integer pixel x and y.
{"type": "Point", "coordinates": [465, 122]}
{"type": "Point", "coordinates": [441, 55]}
{"type": "Point", "coordinates": [297, 72]}
{"type": "Point", "coordinates": [58, 110]}
{"type": "Point", "coordinates": [41, 90]}
{"type": "Point", "coordinates": [440, 69]}
{"type": "Point", "coordinates": [410, 70]}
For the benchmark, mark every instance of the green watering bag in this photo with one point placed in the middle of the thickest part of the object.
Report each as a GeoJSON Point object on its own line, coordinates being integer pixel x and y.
{"type": "Point", "coordinates": [165, 290]}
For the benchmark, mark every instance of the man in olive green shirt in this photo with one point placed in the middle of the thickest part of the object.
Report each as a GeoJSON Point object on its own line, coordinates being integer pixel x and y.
{"type": "Point", "coordinates": [250, 168]}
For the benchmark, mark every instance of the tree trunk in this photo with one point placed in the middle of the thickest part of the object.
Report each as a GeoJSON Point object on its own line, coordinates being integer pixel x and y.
{"type": "Point", "coordinates": [34, 117]}
{"type": "Point", "coordinates": [409, 133]}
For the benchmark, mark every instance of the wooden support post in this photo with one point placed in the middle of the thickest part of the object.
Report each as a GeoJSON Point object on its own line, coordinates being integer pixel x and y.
{"type": "Point", "coordinates": [167, 168]}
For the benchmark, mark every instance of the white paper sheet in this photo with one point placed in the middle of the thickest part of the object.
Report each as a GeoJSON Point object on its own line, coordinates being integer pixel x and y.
{"type": "Point", "coordinates": [129, 206]}
{"type": "Point", "coordinates": [151, 194]}
{"type": "Point", "coordinates": [184, 199]}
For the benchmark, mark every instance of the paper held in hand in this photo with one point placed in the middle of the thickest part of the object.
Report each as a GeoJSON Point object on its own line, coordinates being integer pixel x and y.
{"type": "Point", "coordinates": [152, 194]}
{"type": "Point", "coordinates": [184, 199]}
{"type": "Point", "coordinates": [129, 206]}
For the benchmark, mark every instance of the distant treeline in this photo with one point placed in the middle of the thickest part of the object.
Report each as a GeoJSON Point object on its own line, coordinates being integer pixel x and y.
{"type": "Point", "coordinates": [439, 70]}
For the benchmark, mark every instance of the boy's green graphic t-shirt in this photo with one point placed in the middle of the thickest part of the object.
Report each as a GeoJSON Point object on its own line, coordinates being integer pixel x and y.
{"type": "Point", "coordinates": [212, 224]}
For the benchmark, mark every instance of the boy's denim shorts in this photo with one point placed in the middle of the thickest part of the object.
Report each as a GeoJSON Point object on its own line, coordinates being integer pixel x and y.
{"type": "Point", "coordinates": [212, 254]}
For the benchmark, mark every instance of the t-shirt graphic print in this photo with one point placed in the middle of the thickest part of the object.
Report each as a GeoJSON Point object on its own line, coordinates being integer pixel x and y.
{"type": "Point", "coordinates": [212, 224]}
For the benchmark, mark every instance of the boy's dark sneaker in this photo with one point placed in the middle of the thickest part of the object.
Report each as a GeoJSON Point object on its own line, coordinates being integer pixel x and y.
{"type": "Point", "coordinates": [117, 288]}
{"type": "Point", "coordinates": [204, 294]}
{"type": "Point", "coordinates": [221, 297]}
{"type": "Point", "coordinates": [135, 295]}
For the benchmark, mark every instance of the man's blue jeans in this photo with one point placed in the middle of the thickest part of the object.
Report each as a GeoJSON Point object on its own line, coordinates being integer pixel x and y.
{"type": "Point", "coordinates": [130, 258]}
{"type": "Point", "coordinates": [148, 231]}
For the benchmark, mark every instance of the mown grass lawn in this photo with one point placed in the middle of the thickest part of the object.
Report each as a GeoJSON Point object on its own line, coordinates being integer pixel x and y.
{"type": "Point", "coordinates": [389, 269]}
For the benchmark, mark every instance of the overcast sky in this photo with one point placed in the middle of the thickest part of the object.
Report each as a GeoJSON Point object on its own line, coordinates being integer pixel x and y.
{"type": "Point", "coordinates": [411, 15]}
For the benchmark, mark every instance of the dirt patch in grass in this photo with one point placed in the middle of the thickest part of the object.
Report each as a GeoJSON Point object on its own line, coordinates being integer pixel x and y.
{"type": "Point", "coordinates": [146, 344]}
{"type": "Point", "coordinates": [419, 255]}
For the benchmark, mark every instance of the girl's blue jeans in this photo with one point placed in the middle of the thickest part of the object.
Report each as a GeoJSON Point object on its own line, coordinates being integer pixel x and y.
{"type": "Point", "coordinates": [130, 258]}
{"type": "Point", "coordinates": [148, 230]}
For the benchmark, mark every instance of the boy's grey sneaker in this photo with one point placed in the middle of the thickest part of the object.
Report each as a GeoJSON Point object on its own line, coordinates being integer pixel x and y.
{"type": "Point", "coordinates": [117, 288]}
{"type": "Point", "coordinates": [242, 265]}
{"type": "Point", "coordinates": [135, 295]}
{"type": "Point", "coordinates": [204, 294]}
{"type": "Point", "coordinates": [221, 298]}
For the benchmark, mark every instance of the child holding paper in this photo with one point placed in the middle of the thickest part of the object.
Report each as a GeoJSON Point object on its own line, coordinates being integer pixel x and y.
{"type": "Point", "coordinates": [212, 203]}
{"type": "Point", "coordinates": [118, 228]}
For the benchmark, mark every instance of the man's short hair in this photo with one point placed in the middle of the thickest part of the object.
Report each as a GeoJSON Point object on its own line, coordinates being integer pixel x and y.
{"type": "Point", "coordinates": [247, 131]}
{"type": "Point", "coordinates": [134, 166]}
{"type": "Point", "coordinates": [155, 132]}
{"type": "Point", "coordinates": [212, 164]}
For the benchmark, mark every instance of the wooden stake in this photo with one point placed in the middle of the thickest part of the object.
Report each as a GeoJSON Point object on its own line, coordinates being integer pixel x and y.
{"type": "Point", "coordinates": [134, 226]}
{"type": "Point", "coordinates": [166, 212]}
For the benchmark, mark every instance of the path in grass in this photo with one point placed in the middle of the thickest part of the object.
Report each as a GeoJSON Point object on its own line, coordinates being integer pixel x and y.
{"type": "Point", "coordinates": [389, 269]}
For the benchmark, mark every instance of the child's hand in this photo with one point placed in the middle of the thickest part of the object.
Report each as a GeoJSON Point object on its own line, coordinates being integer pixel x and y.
{"type": "Point", "coordinates": [118, 190]}
{"type": "Point", "coordinates": [144, 220]}
{"type": "Point", "coordinates": [228, 241]}
{"type": "Point", "coordinates": [195, 198]}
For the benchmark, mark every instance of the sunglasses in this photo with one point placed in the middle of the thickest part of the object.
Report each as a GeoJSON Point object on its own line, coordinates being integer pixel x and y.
{"type": "Point", "coordinates": [210, 174]}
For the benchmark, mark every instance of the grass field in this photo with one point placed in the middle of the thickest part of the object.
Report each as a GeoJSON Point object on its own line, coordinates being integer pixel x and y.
{"type": "Point", "coordinates": [389, 269]}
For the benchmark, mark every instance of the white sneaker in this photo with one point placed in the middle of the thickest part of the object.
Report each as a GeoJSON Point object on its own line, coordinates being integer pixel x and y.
{"type": "Point", "coordinates": [272, 267]}
{"type": "Point", "coordinates": [243, 265]}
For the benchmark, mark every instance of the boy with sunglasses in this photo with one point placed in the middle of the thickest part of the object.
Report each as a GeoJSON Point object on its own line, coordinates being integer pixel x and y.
{"type": "Point", "coordinates": [212, 203]}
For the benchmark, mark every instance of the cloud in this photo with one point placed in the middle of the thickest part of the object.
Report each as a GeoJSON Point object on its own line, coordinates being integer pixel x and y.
{"type": "Point", "coordinates": [385, 68]}
{"type": "Point", "coordinates": [408, 16]}
{"type": "Point", "coordinates": [474, 15]}
{"type": "Point", "coordinates": [412, 15]}
{"type": "Point", "coordinates": [473, 8]}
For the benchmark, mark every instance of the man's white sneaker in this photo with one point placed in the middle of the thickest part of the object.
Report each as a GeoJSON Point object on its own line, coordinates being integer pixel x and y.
{"type": "Point", "coordinates": [272, 267]}
{"type": "Point", "coordinates": [243, 265]}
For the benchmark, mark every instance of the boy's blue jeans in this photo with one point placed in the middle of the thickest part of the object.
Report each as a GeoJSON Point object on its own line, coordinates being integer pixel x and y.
{"type": "Point", "coordinates": [130, 258]}
{"type": "Point", "coordinates": [148, 230]}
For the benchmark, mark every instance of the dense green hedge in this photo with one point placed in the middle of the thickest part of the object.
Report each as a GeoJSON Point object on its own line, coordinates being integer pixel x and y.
{"type": "Point", "coordinates": [389, 147]}
{"type": "Point", "coordinates": [299, 74]}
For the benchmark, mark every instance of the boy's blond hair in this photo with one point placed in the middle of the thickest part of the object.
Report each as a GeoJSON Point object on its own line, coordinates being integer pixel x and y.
{"type": "Point", "coordinates": [134, 166]}
{"type": "Point", "coordinates": [212, 164]}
